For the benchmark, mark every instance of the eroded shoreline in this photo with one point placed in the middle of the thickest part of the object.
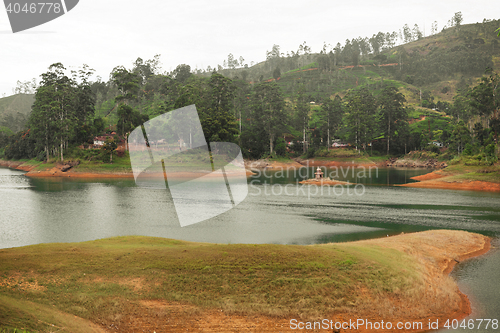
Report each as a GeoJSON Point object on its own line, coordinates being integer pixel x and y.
{"type": "Point", "coordinates": [432, 180]}
{"type": "Point", "coordinates": [437, 180]}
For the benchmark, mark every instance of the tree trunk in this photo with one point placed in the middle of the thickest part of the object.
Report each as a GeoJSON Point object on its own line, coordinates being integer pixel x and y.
{"type": "Point", "coordinates": [271, 144]}
{"type": "Point", "coordinates": [388, 134]}
{"type": "Point", "coordinates": [328, 131]}
{"type": "Point", "coordinates": [304, 140]}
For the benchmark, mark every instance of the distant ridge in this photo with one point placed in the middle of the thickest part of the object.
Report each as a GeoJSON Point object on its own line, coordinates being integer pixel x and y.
{"type": "Point", "coordinates": [15, 110]}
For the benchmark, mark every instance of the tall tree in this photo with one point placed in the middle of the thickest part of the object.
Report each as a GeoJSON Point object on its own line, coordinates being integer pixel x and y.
{"type": "Point", "coordinates": [485, 99]}
{"type": "Point", "coordinates": [392, 112]}
{"type": "Point", "coordinates": [62, 110]}
{"type": "Point", "coordinates": [268, 110]}
{"type": "Point", "coordinates": [331, 114]}
{"type": "Point", "coordinates": [53, 114]}
{"type": "Point", "coordinates": [360, 108]}
{"type": "Point", "coordinates": [302, 113]}
{"type": "Point", "coordinates": [182, 73]}
{"type": "Point", "coordinates": [129, 84]}
{"type": "Point", "coordinates": [219, 122]}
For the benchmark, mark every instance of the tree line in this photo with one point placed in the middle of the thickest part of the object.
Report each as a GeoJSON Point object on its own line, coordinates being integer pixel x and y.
{"type": "Point", "coordinates": [258, 117]}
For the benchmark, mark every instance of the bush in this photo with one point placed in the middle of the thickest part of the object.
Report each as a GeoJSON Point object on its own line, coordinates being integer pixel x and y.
{"type": "Point", "coordinates": [468, 150]}
{"type": "Point", "coordinates": [280, 147]}
{"type": "Point", "coordinates": [322, 152]}
{"type": "Point", "coordinates": [435, 149]}
{"type": "Point", "coordinates": [42, 156]}
{"type": "Point", "coordinates": [311, 152]}
{"type": "Point", "coordinates": [490, 154]}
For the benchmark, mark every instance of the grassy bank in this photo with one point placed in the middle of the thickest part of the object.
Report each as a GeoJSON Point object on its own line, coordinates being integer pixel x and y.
{"type": "Point", "coordinates": [119, 165]}
{"type": "Point", "coordinates": [343, 156]}
{"type": "Point", "coordinates": [108, 282]}
{"type": "Point", "coordinates": [461, 171]}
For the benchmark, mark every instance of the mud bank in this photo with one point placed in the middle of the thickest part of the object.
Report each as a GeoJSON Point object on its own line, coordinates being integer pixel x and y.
{"type": "Point", "coordinates": [466, 185]}
{"type": "Point", "coordinates": [61, 171]}
{"type": "Point", "coordinates": [438, 180]}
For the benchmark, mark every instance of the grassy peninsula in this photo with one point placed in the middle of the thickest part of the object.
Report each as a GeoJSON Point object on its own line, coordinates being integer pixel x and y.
{"type": "Point", "coordinates": [163, 284]}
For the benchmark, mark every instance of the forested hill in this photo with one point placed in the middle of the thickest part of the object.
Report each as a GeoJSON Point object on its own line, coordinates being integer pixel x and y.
{"type": "Point", "coordinates": [14, 112]}
{"type": "Point", "coordinates": [440, 64]}
{"type": "Point", "coordinates": [425, 69]}
{"type": "Point", "coordinates": [372, 93]}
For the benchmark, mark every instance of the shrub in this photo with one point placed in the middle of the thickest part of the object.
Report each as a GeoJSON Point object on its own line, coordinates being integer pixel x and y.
{"type": "Point", "coordinates": [490, 154]}
{"type": "Point", "coordinates": [280, 147]}
{"type": "Point", "coordinates": [435, 149]}
{"type": "Point", "coordinates": [311, 152]}
{"type": "Point", "coordinates": [322, 152]}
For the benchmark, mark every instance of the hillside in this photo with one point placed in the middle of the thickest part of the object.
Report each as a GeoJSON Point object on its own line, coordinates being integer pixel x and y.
{"type": "Point", "coordinates": [14, 111]}
{"type": "Point", "coordinates": [429, 70]}
{"type": "Point", "coordinates": [440, 64]}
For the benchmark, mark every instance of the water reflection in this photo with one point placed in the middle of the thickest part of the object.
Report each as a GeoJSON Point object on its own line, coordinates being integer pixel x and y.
{"type": "Point", "coordinates": [359, 175]}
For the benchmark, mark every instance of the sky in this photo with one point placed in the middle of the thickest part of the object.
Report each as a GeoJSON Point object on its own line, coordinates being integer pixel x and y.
{"type": "Point", "coordinates": [110, 33]}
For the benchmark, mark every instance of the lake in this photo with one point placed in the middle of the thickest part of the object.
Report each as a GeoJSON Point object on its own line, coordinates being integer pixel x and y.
{"type": "Point", "coordinates": [277, 210]}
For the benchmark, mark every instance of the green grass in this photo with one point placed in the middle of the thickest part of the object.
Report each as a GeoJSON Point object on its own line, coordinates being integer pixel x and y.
{"type": "Point", "coordinates": [120, 165]}
{"type": "Point", "coordinates": [462, 172]}
{"type": "Point", "coordinates": [15, 313]}
{"type": "Point", "coordinates": [345, 155]}
{"type": "Point", "coordinates": [90, 161]}
{"type": "Point", "coordinates": [281, 159]}
{"type": "Point", "coordinates": [98, 280]}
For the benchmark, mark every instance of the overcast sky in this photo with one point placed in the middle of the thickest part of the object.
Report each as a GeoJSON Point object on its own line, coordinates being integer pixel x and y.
{"type": "Point", "coordinates": [105, 34]}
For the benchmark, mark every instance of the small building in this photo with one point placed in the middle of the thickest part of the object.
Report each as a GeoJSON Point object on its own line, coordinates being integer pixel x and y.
{"type": "Point", "coordinates": [101, 139]}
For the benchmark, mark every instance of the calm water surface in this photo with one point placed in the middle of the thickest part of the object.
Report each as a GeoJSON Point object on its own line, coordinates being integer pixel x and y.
{"type": "Point", "coordinates": [277, 210]}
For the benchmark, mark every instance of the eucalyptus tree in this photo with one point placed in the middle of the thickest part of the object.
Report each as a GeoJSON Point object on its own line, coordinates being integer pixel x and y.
{"type": "Point", "coordinates": [63, 110]}
{"type": "Point", "coordinates": [54, 113]}
{"type": "Point", "coordinates": [360, 108]}
{"type": "Point", "coordinates": [85, 100]}
{"type": "Point", "coordinates": [302, 113]}
{"type": "Point", "coordinates": [391, 111]}
{"type": "Point", "coordinates": [331, 114]}
{"type": "Point", "coordinates": [182, 73]}
{"type": "Point", "coordinates": [268, 107]}
{"type": "Point", "coordinates": [129, 85]}
{"type": "Point", "coordinates": [219, 122]}
{"type": "Point", "coordinates": [485, 100]}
